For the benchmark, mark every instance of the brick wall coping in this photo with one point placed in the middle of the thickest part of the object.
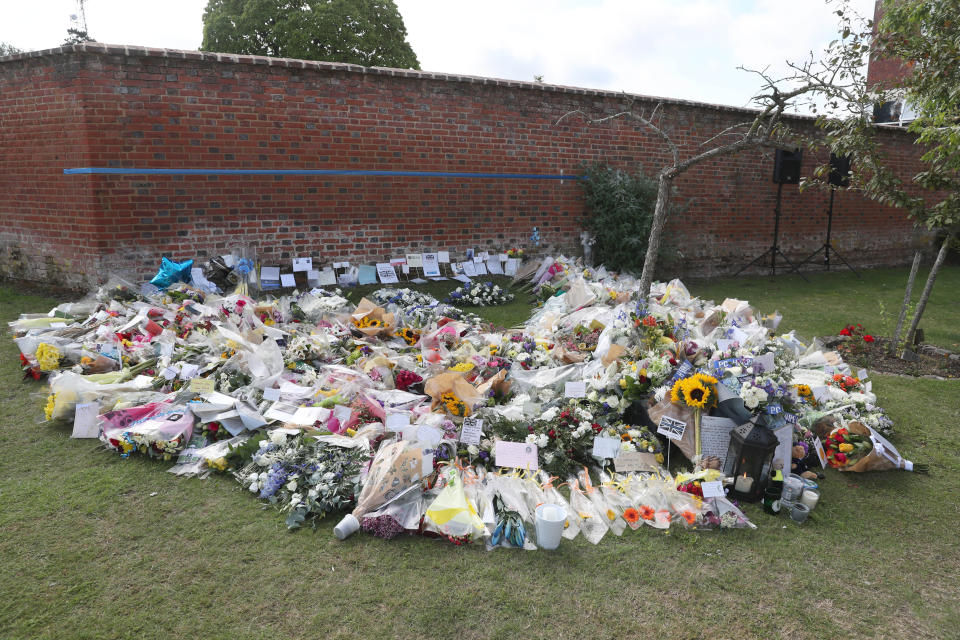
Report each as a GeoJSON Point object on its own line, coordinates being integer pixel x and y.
{"type": "Point", "coordinates": [98, 48]}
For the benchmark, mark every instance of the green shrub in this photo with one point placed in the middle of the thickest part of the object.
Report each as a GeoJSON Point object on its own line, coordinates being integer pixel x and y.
{"type": "Point", "coordinates": [620, 208]}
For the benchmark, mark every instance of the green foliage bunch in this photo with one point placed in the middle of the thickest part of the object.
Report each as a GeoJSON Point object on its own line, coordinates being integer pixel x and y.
{"type": "Point", "coordinates": [365, 32]}
{"type": "Point", "coordinates": [620, 207]}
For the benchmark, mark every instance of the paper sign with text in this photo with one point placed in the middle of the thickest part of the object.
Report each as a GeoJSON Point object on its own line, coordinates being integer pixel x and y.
{"type": "Point", "coordinates": [302, 264]}
{"type": "Point", "coordinates": [471, 431]}
{"type": "Point", "coordinates": [520, 455]}
{"type": "Point", "coordinates": [386, 273]}
{"type": "Point", "coordinates": [288, 280]}
{"type": "Point", "coordinates": [431, 267]}
{"type": "Point", "coordinates": [414, 260]}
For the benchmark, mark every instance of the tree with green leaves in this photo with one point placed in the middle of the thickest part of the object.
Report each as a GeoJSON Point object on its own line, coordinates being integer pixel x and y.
{"type": "Point", "coordinates": [364, 32]}
{"type": "Point", "coordinates": [925, 36]}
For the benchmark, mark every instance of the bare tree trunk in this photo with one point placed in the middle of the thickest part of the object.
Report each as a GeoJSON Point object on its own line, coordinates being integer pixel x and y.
{"type": "Point", "coordinates": [906, 303]}
{"type": "Point", "coordinates": [664, 182]}
{"type": "Point", "coordinates": [934, 270]}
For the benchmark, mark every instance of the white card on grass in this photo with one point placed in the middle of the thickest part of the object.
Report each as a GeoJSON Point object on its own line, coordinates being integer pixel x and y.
{"type": "Point", "coordinates": [85, 420]}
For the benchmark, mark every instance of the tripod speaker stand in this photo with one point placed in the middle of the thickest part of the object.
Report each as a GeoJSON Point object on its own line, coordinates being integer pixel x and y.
{"type": "Point", "coordinates": [786, 169]}
{"type": "Point", "coordinates": [839, 177]}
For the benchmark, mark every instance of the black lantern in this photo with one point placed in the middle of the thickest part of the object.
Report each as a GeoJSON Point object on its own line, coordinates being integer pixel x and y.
{"type": "Point", "coordinates": [749, 459]}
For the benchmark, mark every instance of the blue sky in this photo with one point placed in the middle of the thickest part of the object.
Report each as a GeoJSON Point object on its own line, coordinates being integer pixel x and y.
{"type": "Point", "coordinates": [674, 48]}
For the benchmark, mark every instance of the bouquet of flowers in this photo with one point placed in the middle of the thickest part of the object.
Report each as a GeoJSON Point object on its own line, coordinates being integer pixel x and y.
{"type": "Point", "coordinates": [164, 431]}
{"type": "Point", "coordinates": [302, 476]}
{"type": "Point", "coordinates": [479, 294]}
{"type": "Point", "coordinates": [402, 298]}
{"type": "Point", "coordinates": [856, 447]}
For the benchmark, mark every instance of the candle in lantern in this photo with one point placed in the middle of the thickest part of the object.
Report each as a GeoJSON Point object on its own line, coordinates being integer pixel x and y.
{"type": "Point", "coordinates": [810, 498]}
{"type": "Point", "coordinates": [743, 484]}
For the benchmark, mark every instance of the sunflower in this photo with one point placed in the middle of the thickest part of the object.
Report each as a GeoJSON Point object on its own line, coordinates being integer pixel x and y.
{"type": "Point", "coordinates": [646, 512]}
{"type": "Point", "coordinates": [676, 394]}
{"type": "Point", "coordinates": [631, 515]}
{"type": "Point", "coordinates": [695, 393]}
{"type": "Point", "coordinates": [409, 335]}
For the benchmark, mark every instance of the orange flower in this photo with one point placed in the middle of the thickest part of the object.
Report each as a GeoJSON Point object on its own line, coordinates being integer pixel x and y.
{"type": "Point", "coordinates": [665, 514]}
{"type": "Point", "coordinates": [631, 515]}
{"type": "Point", "coordinates": [689, 516]}
{"type": "Point", "coordinates": [646, 512]}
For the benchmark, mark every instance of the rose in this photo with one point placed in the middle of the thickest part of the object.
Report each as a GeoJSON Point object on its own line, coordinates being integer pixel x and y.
{"type": "Point", "coordinates": [868, 338]}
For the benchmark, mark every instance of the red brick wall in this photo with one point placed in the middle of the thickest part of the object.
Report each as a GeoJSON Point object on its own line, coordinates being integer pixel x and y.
{"type": "Point", "coordinates": [103, 106]}
{"type": "Point", "coordinates": [884, 73]}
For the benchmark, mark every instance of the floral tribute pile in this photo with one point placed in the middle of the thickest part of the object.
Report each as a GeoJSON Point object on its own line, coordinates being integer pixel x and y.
{"type": "Point", "coordinates": [414, 417]}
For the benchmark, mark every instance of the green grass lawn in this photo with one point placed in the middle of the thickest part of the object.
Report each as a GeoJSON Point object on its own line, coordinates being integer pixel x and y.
{"type": "Point", "coordinates": [94, 546]}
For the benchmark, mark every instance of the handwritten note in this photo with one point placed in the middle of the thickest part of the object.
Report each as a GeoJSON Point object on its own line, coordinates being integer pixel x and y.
{"type": "Point", "coordinates": [520, 455]}
{"type": "Point", "coordinates": [202, 385]}
{"type": "Point", "coordinates": [288, 280]}
{"type": "Point", "coordinates": [715, 436]}
{"type": "Point", "coordinates": [629, 461]}
{"type": "Point", "coordinates": [471, 431]}
{"type": "Point", "coordinates": [85, 420]}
